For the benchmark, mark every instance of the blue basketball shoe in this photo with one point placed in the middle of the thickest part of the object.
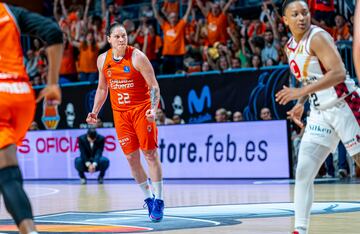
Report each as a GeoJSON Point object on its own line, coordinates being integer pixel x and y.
{"type": "Point", "coordinates": [149, 203]}
{"type": "Point", "coordinates": [157, 212]}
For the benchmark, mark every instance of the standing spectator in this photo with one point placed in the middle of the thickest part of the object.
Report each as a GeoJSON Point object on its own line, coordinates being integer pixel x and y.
{"type": "Point", "coordinates": [170, 6]}
{"type": "Point", "coordinates": [174, 38]}
{"type": "Point", "coordinates": [68, 70]}
{"type": "Point", "coordinates": [88, 52]}
{"type": "Point", "coordinates": [265, 114]}
{"type": "Point", "coordinates": [270, 50]}
{"type": "Point", "coordinates": [91, 146]}
{"type": "Point", "coordinates": [216, 21]}
{"type": "Point", "coordinates": [322, 10]}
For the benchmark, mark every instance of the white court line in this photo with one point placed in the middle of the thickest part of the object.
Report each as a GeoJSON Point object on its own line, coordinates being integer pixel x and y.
{"type": "Point", "coordinates": [192, 219]}
{"type": "Point", "coordinates": [293, 181]}
{"type": "Point", "coordinates": [52, 191]}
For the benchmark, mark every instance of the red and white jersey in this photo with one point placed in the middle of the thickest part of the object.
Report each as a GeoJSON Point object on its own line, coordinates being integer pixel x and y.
{"type": "Point", "coordinates": [308, 69]}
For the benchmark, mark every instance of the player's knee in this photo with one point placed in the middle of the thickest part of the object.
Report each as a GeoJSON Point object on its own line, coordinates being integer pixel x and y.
{"type": "Point", "coordinates": [15, 199]}
{"type": "Point", "coordinates": [150, 155]}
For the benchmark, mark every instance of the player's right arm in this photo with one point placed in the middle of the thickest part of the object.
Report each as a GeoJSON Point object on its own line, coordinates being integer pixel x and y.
{"type": "Point", "coordinates": [101, 92]}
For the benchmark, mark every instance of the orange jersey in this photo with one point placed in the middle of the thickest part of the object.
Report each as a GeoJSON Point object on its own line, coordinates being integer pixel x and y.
{"type": "Point", "coordinates": [217, 28]}
{"type": "Point", "coordinates": [87, 58]}
{"type": "Point", "coordinates": [128, 88]}
{"type": "Point", "coordinates": [11, 56]}
{"type": "Point", "coordinates": [174, 38]}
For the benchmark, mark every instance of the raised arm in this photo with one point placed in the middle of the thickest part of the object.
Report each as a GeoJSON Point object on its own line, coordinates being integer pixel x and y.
{"type": "Point", "coordinates": [143, 65]}
{"type": "Point", "coordinates": [356, 41]}
{"type": "Point", "coordinates": [188, 11]}
{"type": "Point", "coordinates": [101, 92]}
{"type": "Point", "coordinates": [86, 11]}
{"type": "Point", "coordinates": [228, 5]}
{"type": "Point", "coordinates": [63, 8]}
{"type": "Point", "coordinates": [202, 8]}
{"type": "Point", "coordinates": [55, 10]}
{"type": "Point", "coordinates": [156, 13]}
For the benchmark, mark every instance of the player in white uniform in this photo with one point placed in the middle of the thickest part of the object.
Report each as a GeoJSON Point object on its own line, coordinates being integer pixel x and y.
{"type": "Point", "coordinates": [334, 102]}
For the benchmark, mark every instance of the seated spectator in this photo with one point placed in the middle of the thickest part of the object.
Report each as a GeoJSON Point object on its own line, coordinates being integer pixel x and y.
{"type": "Point", "coordinates": [221, 115]}
{"type": "Point", "coordinates": [322, 10]}
{"type": "Point", "coordinates": [341, 30]}
{"type": "Point", "coordinates": [161, 118]}
{"type": "Point", "coordinates": [256, 61]}
{"type": "Point", "coordinates": [34, 126]}
{"type": "Point", "coordinates": [265, 114]}
{"type": "Point", "coordinates": [205, 67]}
{"type": "Point", "coordinates": [91, 146]}
{"type": "Point", "coordinates": [31, 64]}
{"type": "Point", "coordinates": [237, 116]}
{"type": "Point", "coordinates": [177, 119]}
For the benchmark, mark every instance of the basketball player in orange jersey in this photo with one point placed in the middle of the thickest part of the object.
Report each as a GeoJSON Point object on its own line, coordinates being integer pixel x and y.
{"type": "Point", "coordinates": [356, 41]}
{"type": "Point", "coordinates": [134, 95]}
{"type": "Point", "coordinates": [334, 103]}
{"type": "Point", "coordinates": [17, 101]}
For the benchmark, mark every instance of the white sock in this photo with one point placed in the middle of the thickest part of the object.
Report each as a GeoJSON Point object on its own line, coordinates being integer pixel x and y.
{"type": "Point", "coordinates": [33, 232]}
{"type": "Point", "coordinates": [158, 189]}
{"type": "Point", "coordinates": [145, 187]}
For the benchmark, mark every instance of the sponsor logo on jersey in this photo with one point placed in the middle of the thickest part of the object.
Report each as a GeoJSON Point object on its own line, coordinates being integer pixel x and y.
{"type": "Point", "coordinates": [126, 69]}
{"type": "Point", "coordinates": [124, 141]}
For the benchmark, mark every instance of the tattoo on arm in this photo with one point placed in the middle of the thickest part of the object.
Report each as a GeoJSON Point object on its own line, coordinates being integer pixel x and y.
{"type": "Point", "coordinates": [154, 97]}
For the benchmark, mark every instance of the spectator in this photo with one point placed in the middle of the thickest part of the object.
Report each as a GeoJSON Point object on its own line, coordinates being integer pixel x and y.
{"type": "Point", "coordinates": [91, 146]}
{"type": "Point", "coordinates": [34, 126]}
{"type": "Point", "coordinates": [270, 50]}
{"type": "Point", "coordinates": [177, 119]}
{"type": "Point", "coordinates": [205, 67]}
{"type": "Point", "coordinates": [88, 52]}
{"type": "Point", "coordinates": [216, 21]}
{"type": "Point", "coordinates": [68, 70]}
{"type": "Point", "coordinates": [237, 116]}
{"type": "Point", "coordinates": [170, 6]}
{"type": "Point", "coordinates": [265, 114]}
{"type": "Point", "coordinates": [256, 61]}
{"type": "Point", "coordinates": [221, 115]}
{"type": "Point", "coordinates": [161, 118]}
{"type": "Point", "coordinates": [31, 64]}
{"type": "Point", "coordinates": [322, 10]}
{"type": "Point", "coordinates": [341, 30]}
{"type": "Point", "coordinates": [174, 38]}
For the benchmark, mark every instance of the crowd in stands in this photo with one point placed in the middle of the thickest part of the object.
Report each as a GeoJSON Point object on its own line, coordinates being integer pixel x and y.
{"type": "Point", "coordinates": [209, 35]}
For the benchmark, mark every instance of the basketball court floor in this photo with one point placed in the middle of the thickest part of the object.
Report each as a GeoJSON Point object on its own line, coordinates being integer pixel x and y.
{"type": "Point", "coordinates": [192, 206]}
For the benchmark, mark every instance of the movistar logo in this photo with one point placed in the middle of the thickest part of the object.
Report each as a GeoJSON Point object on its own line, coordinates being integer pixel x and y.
{"type": "Point", "coordinates": [198, 103]}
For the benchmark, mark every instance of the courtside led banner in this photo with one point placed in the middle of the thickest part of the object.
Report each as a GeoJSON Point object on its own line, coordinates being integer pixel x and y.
{"type": "Point", "coordinates": [217, 150]}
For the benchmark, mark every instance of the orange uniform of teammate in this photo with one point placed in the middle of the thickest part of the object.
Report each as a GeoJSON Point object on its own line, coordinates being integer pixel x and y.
{"type": "Point", "coordinates": [17, 101]}
{"type": "Point", "coordinates": [130, 98]}
{"type": "Point", "coordinates": [16, 95]}
{"type": "Point", "coordinates": [134, 95]}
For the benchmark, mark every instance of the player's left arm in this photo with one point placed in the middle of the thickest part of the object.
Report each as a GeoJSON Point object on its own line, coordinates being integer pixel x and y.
{"type": "Point", "coordinates": [143, 65]}
{"type": "Point", "coordinates": [323, 47]}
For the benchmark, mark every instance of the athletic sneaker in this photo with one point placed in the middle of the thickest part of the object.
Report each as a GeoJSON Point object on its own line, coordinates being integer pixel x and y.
{"type": "Point", "coordinates": [295, 232]}
{"type": "Point", "coordinates": [149, 203]}
{"type": "Point", "coordinates": [342, 173]}
{"type": "Point", "coordinates": [157, 212]}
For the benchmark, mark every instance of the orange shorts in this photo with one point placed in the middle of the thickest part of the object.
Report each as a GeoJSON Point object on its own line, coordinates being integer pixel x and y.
{"type": "Point", "coordinates": [134, 131]}
{"type": "Point", "coordinates": [16, 112]}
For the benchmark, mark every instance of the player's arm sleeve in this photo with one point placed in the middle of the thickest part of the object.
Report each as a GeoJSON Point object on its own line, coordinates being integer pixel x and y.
{"type": "Point", "coordinates": [33, 24]}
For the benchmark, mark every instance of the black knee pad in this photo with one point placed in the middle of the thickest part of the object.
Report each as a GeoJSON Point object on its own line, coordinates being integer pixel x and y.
{"type": "Point", "coordinates": [15, 198]}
